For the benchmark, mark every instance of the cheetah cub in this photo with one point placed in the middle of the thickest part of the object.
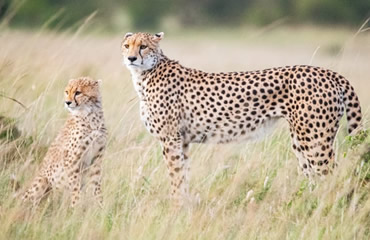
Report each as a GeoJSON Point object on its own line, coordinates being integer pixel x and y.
{"type": "Point", "coordinates": [76, 153]}
{"type": "Point", "coordinates": [181, 105]}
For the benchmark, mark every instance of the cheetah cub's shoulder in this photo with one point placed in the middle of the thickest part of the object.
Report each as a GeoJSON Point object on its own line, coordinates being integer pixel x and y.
{"type": "Point", "coordinates": [76, 153]}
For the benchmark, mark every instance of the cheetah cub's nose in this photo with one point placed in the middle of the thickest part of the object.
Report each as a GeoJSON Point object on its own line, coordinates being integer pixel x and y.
{"type": "Point", "coordinates": [68, 103]}
{"type": "Point", "coordinates": [132, 58]}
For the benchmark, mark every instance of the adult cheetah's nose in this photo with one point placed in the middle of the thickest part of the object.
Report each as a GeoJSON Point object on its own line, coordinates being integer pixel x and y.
{"type": "Point", "coordinates": [132, 58]}
{"type": "Point", "coordinates": [68, 102]}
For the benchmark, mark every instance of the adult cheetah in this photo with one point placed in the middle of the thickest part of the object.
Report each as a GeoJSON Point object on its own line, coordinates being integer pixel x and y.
{"type": "Point", "coordinates": [180, 105]}
{"type": "Point", "coordinates": [77, 150]}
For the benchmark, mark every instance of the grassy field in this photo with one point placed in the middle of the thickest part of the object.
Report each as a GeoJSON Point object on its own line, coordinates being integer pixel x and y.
{"type": "Point", "coordinates": [240, 191]}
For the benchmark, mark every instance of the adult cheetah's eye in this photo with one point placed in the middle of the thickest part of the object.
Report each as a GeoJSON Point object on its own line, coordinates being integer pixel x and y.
{"type": "Point", "coordinates": [77, 93]}
{"type": "Point", "coordinates": [143, 47]}
{"type": "Point", "coordinates": [126, 46]}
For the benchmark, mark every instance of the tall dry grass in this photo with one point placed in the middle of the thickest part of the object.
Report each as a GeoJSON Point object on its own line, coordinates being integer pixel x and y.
{"type": "Point", "coordinates": [240, 191]}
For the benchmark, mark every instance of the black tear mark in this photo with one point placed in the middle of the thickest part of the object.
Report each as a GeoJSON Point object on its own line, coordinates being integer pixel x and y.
{"type": "Point", "coordinates": [142, 59]}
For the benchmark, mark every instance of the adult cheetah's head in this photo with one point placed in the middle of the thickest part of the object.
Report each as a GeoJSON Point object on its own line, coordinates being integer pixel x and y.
{"type": "Point", "coordinates": [141, 50]}
{"type": "Point", "coordinates": [81, 94]}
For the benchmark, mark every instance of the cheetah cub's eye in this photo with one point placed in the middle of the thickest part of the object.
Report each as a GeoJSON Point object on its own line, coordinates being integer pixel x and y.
{"type": "Point", "coordinates": [126, 46]}
{"type": "Point", "coordinates": [77, 93]}
{"type": "Point", "coordinates": [143, 47]}
{"type": "Point", "coordinates": [66, 92]}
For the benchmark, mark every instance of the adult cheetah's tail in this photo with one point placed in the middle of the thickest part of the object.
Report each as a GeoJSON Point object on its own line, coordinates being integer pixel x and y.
{"type": "Point", "coordinates": [353, 108]}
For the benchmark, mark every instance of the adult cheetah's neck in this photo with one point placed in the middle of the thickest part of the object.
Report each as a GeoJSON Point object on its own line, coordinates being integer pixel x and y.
{"type": "Point", "coordinates": [167, 67]}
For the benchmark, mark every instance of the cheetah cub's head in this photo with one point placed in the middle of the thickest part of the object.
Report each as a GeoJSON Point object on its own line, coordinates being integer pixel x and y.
{"type": "Point", "coordinates": [82, 95]}
{"type": "Point", "coordinates": [141, 50]}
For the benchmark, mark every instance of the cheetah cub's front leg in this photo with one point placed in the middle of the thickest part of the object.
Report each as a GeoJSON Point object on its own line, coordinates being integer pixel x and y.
{"type": "Point", "coordinates": [87, 164]}
{"type": "Point", "coordinates": [94, 169]}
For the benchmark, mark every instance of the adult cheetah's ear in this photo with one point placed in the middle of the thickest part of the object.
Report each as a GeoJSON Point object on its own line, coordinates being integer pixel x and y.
{"type": "Point", "coordinates": [158, 37]}
{"type": "Point", "coordinates": [129, 34]}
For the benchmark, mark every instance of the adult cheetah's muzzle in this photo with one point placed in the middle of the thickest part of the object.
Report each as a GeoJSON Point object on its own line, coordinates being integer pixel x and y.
{"type": "Point", "coordinates": [132, 58]}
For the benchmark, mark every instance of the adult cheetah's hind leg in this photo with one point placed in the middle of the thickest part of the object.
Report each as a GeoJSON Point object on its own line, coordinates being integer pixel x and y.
{"type": "Point", "coordinates": [315, 154]}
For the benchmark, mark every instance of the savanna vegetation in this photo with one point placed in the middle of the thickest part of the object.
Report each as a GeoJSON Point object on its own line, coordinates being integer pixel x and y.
{"type": "Point", "coordinates": [239, 191]}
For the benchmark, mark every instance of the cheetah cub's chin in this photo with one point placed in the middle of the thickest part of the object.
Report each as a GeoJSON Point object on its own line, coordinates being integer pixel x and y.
{"type": "Point", "coordinates": [75, 155]}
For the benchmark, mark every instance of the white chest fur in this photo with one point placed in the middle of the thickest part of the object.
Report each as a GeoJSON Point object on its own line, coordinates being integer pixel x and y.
{"type": "Point", "coordinates": [138, 82]}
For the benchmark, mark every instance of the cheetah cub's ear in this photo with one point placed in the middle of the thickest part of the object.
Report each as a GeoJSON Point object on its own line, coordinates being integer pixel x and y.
{"type": "Point", "coordinates": [158, 37]}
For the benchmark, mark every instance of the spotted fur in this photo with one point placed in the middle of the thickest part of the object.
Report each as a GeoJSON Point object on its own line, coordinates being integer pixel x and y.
{"type": "Point", "coordinates": [77, 150]}
{"type": "Point", "coordinates": [181, 105]}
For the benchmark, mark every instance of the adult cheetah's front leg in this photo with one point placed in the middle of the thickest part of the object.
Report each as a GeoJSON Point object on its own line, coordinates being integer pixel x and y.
{"type": "Point", "coordinates": [177, 165]}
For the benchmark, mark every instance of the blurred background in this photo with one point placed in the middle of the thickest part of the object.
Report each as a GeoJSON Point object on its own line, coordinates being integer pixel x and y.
{"type": "Point", "coordinates": [243, 191]}
{"type": "Point", "coordinates": [114, 15]}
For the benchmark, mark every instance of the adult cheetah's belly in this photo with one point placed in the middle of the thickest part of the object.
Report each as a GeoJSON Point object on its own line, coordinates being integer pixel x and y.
{"type": "Point", "coordinates": [233, 132]}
